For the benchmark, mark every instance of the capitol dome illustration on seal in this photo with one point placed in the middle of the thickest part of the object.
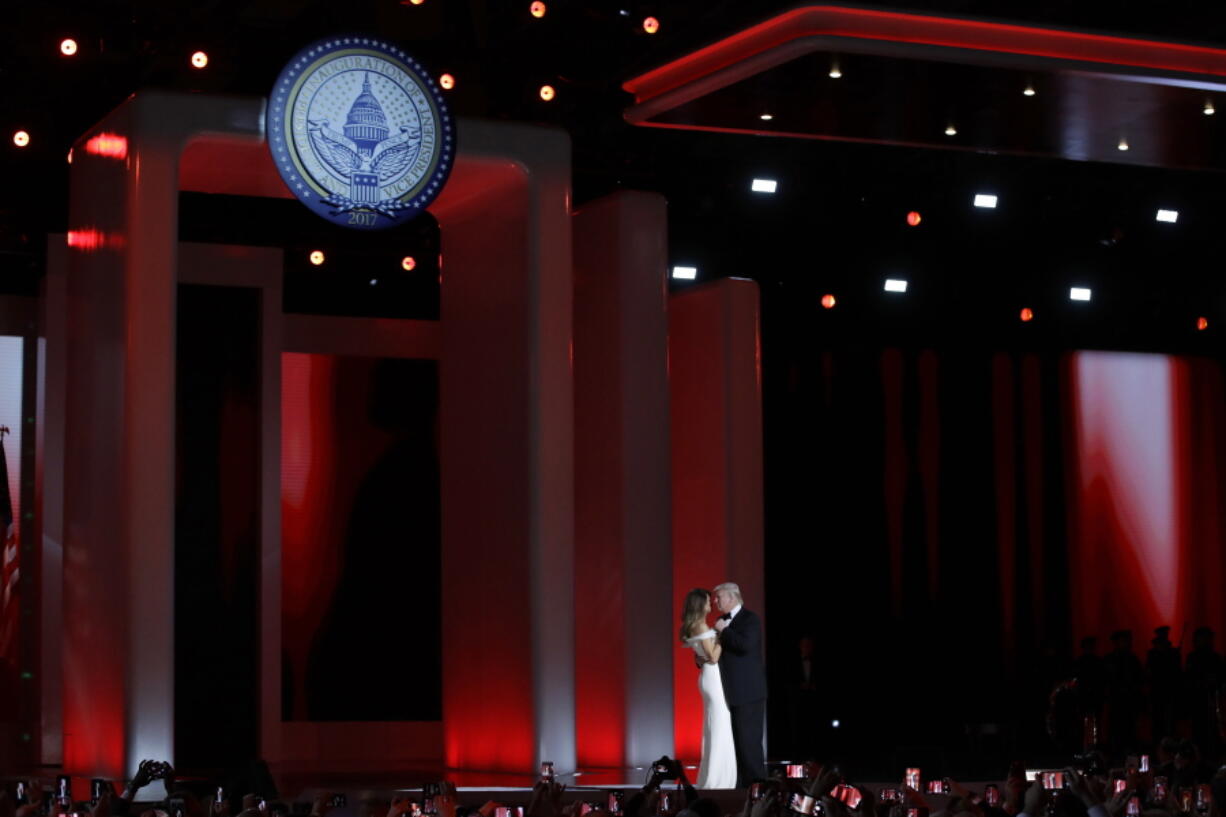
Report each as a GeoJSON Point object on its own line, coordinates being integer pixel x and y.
{"type": "Point", "coordinates": [360, 132]}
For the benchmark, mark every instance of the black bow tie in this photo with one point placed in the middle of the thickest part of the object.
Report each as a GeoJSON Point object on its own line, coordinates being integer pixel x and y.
{"type": "Point", "coordinates": [726, 617]}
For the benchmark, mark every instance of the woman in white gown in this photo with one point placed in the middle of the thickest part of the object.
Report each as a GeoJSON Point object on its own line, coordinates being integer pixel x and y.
{"type": "Point", "coordinates": [718, 767]}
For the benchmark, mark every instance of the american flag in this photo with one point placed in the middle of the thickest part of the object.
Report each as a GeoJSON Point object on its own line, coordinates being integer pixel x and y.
{"type": "Point", "coordinates": [10, 569]}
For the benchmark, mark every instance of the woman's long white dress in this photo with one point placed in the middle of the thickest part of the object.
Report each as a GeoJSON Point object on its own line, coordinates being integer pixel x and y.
{"type": "Point", "coordinates": [718, 767]}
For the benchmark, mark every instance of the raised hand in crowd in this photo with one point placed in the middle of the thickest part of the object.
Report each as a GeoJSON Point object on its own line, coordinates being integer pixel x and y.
{"type": "Point", "coordinates": [961, 800]}
{"type": "Point", "coordinates": [1083, 787]}
{"type": "Point", "coordinates": [1034, 801]}
{"type": "Point", "coordinates": [401, 806]}
{"type": "Point", "coordinates": [546, 800]}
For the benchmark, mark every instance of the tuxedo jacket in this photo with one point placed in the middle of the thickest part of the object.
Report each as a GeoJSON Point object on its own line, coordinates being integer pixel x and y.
{"type": "Point", "coordinates": [740, 663]}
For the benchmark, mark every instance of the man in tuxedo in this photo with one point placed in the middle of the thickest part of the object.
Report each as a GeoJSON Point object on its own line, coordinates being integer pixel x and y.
{"type": "Point", "coordinates": [744, 678]}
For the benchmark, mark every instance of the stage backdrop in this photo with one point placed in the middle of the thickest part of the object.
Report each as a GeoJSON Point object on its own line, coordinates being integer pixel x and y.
{"type": "Point", "coordinates": [361, 548]}
{"type": "Point", "coordinates": [947, 523]}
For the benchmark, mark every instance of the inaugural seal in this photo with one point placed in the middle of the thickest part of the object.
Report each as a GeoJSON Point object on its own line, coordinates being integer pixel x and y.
{"type": "Point", "coordinates": [360, 132]}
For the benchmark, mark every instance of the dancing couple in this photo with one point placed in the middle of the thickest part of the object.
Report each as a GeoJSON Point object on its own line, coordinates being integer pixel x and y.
{"type": "Point", "coordinates": [732, 681]}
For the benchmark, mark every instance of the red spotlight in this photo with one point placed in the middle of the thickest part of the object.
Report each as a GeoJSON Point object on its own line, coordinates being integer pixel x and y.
{"type": "Point", "coordinates": [316, 257]}
{"type": "Point", "coordinates": [1202, 324]}
{"type": "Point", "coordinates": [914, 218]}
{"type": "Point", "coordinates": [200, 59]}
{"type": "Point", "coordinates": [651, 25]}
{"type": "Point", "coordinates": [447, 81]}
{"type": "Point", "coordinates": [537, 9]}
{"type": "Point", "coordinates": [1027, 314]}
{"type": "Point", "coordinates": [409, 263]}
{"type": "Point", "coordinates": [828, 301]}
{"type": "Point", "coordinates": [68, 46]}
{"type": "Point", "coordinates": [110, 145]}
{"type": "Point", "coordinates": [21, 138]}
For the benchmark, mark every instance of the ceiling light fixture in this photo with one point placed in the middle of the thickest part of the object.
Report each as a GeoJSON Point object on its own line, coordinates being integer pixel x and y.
{"type": "Point", "coordinates": [950, 130]}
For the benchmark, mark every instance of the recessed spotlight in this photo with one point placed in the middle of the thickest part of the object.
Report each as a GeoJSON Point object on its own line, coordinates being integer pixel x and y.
{"type": "Point", "coordinates": [316, 257]}
{"type": "Point", "coordinates": [408, 263]}
{"type": "Point", "coordinates": [895, 285]}
{"type": "Point", "coordinates": [21, 138]}
{"type": "Point", "coordinates": [764, 185]}
{"type": "Point", "coordinates": [1202, 324]}
{"type": "Point", "coordinates": [651, 25]}
{"type": "Point", "coordinates": [828, 302]}
{"type": "Point", "coordinates": [1123, 145]}
{"type": "Point", "coordinates": [950, 130]}
{"type": "Point", "coordinates": [834, 724]}
{"type": "Point", "coordinates": [447, 81]}
{"type": "Point", "coordinates": [1079, 293]}
{"type": "Point", "coordinates": [835, 71]}
{"type": "Point", "coordinates": [766, 117]}
{"type": "Point", "coordinates": [914, 218]}
{"type": "Point", "coordinates": [537, 9]}
{"type": "Point", "coordinates": [685, 273]}
{"type": "Point", "coordinates": [548, 93]}
{"type": "Point", "coordinates": [1169, 216]}
{"type": "Point", "coordinates": [985, 200]}
{"type": "Point", "coordinates": [374, 281]}
{"type": "Point", "coordinates": [68, 46]}
{"type": "Point", "coordinates": [1028, 91]}
{"type": "Point", "coordinates": [1208, 110]}
{"type": "Point", "coordinates": [1027, 315]}
{"type": "Point", "coordinates": [200, 59]}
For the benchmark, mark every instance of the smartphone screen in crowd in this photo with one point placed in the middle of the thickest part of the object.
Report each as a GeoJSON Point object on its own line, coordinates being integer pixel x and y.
{"type": "Point", "coordinates": [614, 799]}
{"type": "Point", "coordinates": [1160, 790]}
{"type": "Point", "coordinates": [801, 804]}
{"type": "Point", "coordinates": [796, 770]}
{"type": "Point", "coordinates": [937, 787]}
{"type": "Point", "coordinates": [1185, 800]}
{"type": "Point", "coordinates": [916, 811]}
{"type": "Point", "coordinates": [63, 787]}
{"type": "Point", "coordinates": [1133, 809]}
{"type": "Point", "coordinates": [850, 796]}
{"type": "Point", "coordinates": [1144, 764]}
{"type": "Point", "coordinates": [21, 798]}
{"type": "Point", "coordinates": [1052, 781]}
{"type": "Point", "coordinates": [1204, 797]}
{"type": "Point", "coordinates": [991, 794]}
{"type": "Point", "coordinates": [891, 795]}
{"type": "Point", "coordinates": [755, 792]}
{"type": "Point", "coordinates": [912, 778]}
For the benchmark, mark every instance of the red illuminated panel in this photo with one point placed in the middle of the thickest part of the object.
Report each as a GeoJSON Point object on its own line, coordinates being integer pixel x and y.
{"type": "Point", "coordinates": [804, 30]}
{"type": "Point", "coordinates": [109, 145]}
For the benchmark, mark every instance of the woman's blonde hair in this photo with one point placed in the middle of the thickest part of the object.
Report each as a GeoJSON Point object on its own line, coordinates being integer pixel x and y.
{"type": "Point", "coordinates": [693, 611]}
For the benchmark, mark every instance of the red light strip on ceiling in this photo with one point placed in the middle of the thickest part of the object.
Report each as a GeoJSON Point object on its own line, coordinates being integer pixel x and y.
{"type": "Point", "coordinates": [921, 30]}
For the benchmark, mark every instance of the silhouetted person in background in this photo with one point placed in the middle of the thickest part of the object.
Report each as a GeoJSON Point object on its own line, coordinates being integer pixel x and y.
{"type": "Point", "coordinates": [1203, 677]}
{"type": "Point", "coordinates": [1125, 678]}
{"type": "Point", "coordinates": [1091, 677]}
{"type": "Point", "coordinates": [1162, 665]}
{"type": "Point", "coordinates": [803, 699]}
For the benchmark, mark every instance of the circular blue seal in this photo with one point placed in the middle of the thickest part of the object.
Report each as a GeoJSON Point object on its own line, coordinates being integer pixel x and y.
{"type": "Point", "coordinates": [360, 132]}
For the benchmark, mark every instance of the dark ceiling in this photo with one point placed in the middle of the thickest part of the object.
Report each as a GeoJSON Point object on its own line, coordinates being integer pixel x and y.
{"type": "Point", "coordinates": [837, 222]}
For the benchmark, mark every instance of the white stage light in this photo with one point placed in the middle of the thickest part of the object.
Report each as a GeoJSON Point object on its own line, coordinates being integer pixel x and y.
{"type": "Point", "coordinates": [685, 273]}
{"type": "Point", "coordinates": [764, 185]}
{"type": "Point", "coordinates": [834, 724]}
{"type": "Point", "coordinates": [1169, 216]}
{"type": "Point", "coordinates": [985, 200]}
{"type": "Point", "coordinates": [1079, 293]}
{"type": "Point", "coordinates": [895, 285]}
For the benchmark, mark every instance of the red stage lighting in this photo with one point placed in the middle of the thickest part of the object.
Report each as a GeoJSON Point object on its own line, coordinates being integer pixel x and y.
{"type": "Point", "coordinates": [914, 218]}
{"type": "Point", "coordinates": [68, 46]}
{"type": "Point", "coordinates": [651, 25]}
{"type": "Point", "coordinates": [537, 9]}
{"type": "Point", "coordinates": [21, 138]}
{"type": "Point", "coordinates": [447, 81]}
{"type": "Point", "coordinates": [200, 59]}
{"type": "Point", "coordinates": [110, 145]}
{"type": "Point", "coordinates": [828, 301]}
{"type": "Point", "coordinates": [316, 257]}
{"type": "Point", "coordinates": [1027, 314]}
{"type": "Point", "coordinates": [409, 263]}
{"type": "Point", "coordinates": [547, 92]}
{"type": "Point", "coordinates": [1202, 324]}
